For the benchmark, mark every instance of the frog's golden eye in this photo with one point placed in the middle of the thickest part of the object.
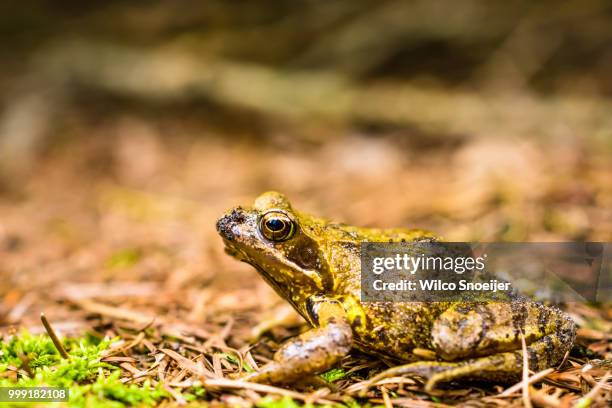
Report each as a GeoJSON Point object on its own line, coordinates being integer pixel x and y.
{"type": "Point", "coordinates": [276, 226]}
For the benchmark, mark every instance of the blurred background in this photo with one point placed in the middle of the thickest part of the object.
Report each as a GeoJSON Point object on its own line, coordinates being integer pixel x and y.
{"type": "Point", "coordinates": [127, 128]}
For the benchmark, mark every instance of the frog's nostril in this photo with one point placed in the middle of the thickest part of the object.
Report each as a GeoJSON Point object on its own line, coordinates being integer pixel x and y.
{"type": "Point", "coordinates": [238, 215]}
{"type": "Point", "coordinates": [230, 225]}
{"type": "Point", "coordinates": [224, 227]}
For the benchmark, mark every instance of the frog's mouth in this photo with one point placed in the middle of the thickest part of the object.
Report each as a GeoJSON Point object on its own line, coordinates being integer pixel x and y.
{"type": "Point", "coordinates": [234, 252]}
{"type": "Point", "coordinates": [237, 254]}
{"type": "Point", "coordinates": [231, 251]}
{"type": "Point", "coordinates": [279, 291]}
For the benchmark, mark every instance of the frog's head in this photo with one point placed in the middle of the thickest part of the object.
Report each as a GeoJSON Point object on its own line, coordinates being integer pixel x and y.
{"type": "Point", "coordinates": [282, 244]}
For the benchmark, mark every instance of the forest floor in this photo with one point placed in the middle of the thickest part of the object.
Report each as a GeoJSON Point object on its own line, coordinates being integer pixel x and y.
{"type": "Point", "coordinates": [113, 237]}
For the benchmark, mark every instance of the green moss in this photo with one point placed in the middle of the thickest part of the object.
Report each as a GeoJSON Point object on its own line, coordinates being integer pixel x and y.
{"type": "Point", "coordinates": [92, 383]}
{"type": "Point", "coordinates": [334, 374]}
{"type": "Point", "coordinates": [270, 402]}
{"type": "Point", "coordinates": [235, 360]}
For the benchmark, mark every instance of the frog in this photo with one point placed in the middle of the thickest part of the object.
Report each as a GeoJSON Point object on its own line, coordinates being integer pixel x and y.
{"type": "Point", "coordinates": [314, 264]}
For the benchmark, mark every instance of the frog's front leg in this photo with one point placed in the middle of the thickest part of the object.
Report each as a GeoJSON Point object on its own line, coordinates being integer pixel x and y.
{"type": "Point", "coordinates": [311, 352]}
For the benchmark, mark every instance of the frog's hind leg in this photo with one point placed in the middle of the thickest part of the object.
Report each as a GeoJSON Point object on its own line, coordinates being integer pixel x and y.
{"type": "Point", "coordinates": [502, 367]}
{"type": "Point", "coordinates": [508, 366]}
{"type": "Point", "coordinates": [473, 330]}
{"type": "Point", "coordinates": [425, 369]}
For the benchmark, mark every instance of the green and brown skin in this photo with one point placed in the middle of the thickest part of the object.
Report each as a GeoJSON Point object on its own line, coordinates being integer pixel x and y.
{"type": "Point", "coordinates": [315, 265]}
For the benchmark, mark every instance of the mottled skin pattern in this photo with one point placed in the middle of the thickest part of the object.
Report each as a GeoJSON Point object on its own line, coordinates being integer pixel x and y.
{"type": "Point", "coordinates": [315, 267]}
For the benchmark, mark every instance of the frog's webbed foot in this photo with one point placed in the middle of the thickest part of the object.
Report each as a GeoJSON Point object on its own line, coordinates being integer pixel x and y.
{"type": "Point", "coordinates": [311, 352]}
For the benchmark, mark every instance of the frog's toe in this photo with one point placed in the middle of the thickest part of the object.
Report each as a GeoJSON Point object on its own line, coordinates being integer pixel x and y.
{"type": "Point", "coordinates": [425, 369]}
{"type": "Point", "coordinates": [255, 377]}
{"type": "Point", "coordinates": [267, 373]}
{"type": "Point", "coordinates": [460, 371]}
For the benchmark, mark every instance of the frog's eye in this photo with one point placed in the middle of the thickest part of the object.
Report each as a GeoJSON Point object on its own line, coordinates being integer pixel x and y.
{"type": "Point", "coordinates": [276, 226]}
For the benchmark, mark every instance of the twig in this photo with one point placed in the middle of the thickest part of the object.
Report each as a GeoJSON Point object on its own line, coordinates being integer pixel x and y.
{"type": "Point", "coordinates": [562, 385]}
{"type": "Point", "coordinates": [25, 364]}
{"type": "Point", "coordinates": [353, 388]}
{"type": "Point", "coordinates": [56, 341]}
{"type": "Point", "coordinates": [131, 369]}
{"type": "Point", "coordinates": [530, 380]}
{"type": "Point", "coordinates": [114, 312]}
{"type": "Point", "coordinates": [226, 383]}
{"type": "Point", "coordinates": [175, 394]}
{"type": "Point", "coordinates": [564, 360]}
{"type": "Point", "coordinates": [186, 363]}
{"type": "Point", "coordinates": [588, 398]}
{"type": "Point", "coordinates": [136, 341]}
{"type": "Point", "coordinates": [386, 398]}
{"type": "Point", "coordinates": [21, 308]}
{"type": "Point", "coordinates": [411, 402]}
{"type": "Point", "coordinates": [525, 382]}
{"type": "Point", "coordinates": [543, 399]}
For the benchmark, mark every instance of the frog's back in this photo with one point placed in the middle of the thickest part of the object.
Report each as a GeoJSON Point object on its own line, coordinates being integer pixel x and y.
{"type": "Point", "coordinates": [388, 328]}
